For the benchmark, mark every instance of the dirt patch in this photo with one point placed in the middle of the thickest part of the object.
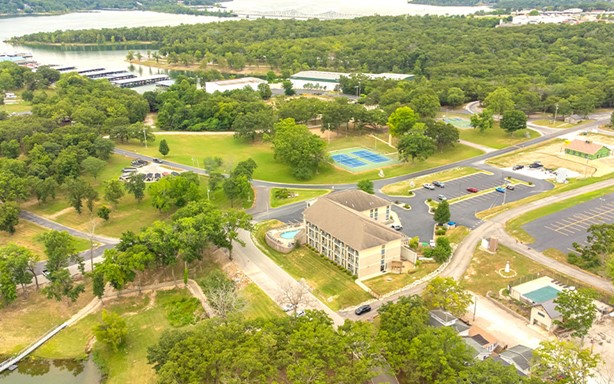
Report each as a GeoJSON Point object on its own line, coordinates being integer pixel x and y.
{"type": "Point", "coordinates": [552, 155]}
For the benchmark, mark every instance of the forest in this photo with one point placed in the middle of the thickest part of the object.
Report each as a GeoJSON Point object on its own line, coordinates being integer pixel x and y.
{"type": "Point", "coordinates": [553, 5]}
{"type": "Point", "coordinates": [16, 7]}
{"type": "Point", "coordinates": [463, 52]}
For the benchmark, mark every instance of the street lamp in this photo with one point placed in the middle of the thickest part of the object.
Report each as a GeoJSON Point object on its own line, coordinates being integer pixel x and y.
{"type": "Point", "coordinates": [145, 138]}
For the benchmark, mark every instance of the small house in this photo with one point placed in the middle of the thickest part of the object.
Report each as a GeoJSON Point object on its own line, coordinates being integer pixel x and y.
{"type": "Point", "coordinates": [545, 315]}
{"type": "Point", "coordinates": [439, 318]}
{"type": "Point", "coordinates": [520, 357]}
{"type": "Point", "coordinates": [587, 150]}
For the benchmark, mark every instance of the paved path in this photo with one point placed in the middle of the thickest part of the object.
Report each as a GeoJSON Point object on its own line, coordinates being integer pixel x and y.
{"type": "Point", "coordinates": [270, 277]}
{"type": "Point", "coordinates": [46, 223]}
{"type": "Point", "coordinates": [481, 147]}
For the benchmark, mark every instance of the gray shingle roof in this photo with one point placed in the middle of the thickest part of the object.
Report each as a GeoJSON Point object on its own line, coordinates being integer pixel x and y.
{"type": "Point", "coordinates": [351, 227]}
{"type": "Point", "coordinates": [519, 355]}
{"type": "Point", "coordinates": [357, 199]}
{"type": "Point", "coordinates": [550, 308]}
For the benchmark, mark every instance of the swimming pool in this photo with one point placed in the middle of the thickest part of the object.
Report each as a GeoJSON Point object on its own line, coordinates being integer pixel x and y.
{"type": "Point", "coordinates": [289, 234]}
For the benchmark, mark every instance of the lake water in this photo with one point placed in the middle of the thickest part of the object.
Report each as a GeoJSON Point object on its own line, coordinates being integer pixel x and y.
{"type": "Point", "coordinates": [36, 371]}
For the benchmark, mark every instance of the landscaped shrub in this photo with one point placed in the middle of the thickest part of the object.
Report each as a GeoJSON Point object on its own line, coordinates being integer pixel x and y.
{"type": "Point", "coordinates": [429, 199]}
{"type": "Point", "coordinates": [406, 206]}
{"type": "Point", "coordinates": [282, 193]}
{"type": "Point", "coordinates": [440, 232]}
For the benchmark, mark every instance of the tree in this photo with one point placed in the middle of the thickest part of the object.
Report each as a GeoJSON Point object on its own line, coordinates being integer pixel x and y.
{"type": "Point", "coordinates": [513, 121]}
{"type": "Point", "coordinates": [442, 213]}
{"type": "Point", "coordinates": [9, 216]}
{"type": "Point", "coordinates": [130, 56]}
{"type": "Point", "coordinates": [442, 133]}
{"type": "Point", "coordinates": [294, 295]}
{"type": "Point", "coordinates": [93, 166]}
{"type": "Point", "coordinates": [222, 293]}
{"type": "Point", "coordinates": [426, 104]}
{"type": "Point", "coordinates": [564, 362]}
{"type": "Point", "coordinates": [112, 330]}
{"type": "Point", "coordinates": [366, 186]}
{"type": "Point", "coordinates": [237, 187]}
{"type": "Point", "coordinates": [77, 189]}
{"type": "Point", "coordinates": [113, 191]}
{"type": "Point", "coordinates": [104, 212]}
{"type": "Point", "coordinates": [232, 221]}
{"type": "Point", "coordinates": [577, 310]}
{"type": "Point", "coordinates": [302, 150]}
{"type": "Point", "coordinates": [483, 120]}
{"type": "Point", "coordinates": [136, 186]}
{"type": "Point", "coordinates": [455, 97]}
{"type": "Point", "coordinates": [60, 250]}
{"type": "Point", "coordinates": [447, 294]}
{"type": "Point", "coordinates": [251, 124]}
{"type": "Point", "coordinates": [15, 269]}
{"type": "Point", "coordinates": [402, 121]}
{"type": "Point", "coordinates": [499, 101]}
{"type": "Point", "coordinates": [491, 372]}
{"type": "Point", "coordinates": [598, 248]}
{"type": "Point", "coordinates": [265, 91]}
{"type": "Point", "coordinates": [163, 148]}
{"type": "Point", "coordinates": [442, 250]}
{"type": "Point", "coordinates": [415, 146]}
{"type": "Point", "coordinates": [287, 86]}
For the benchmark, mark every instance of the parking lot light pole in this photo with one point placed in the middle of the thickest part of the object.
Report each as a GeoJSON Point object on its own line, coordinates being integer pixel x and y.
{"type": "Point", "coordinates": [145, 138]}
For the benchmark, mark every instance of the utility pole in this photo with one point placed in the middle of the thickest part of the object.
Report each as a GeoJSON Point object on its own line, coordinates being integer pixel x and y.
{"type": "Point", "coordinates": [145, 138]}
{"type": "Point", "coordinates": [556, 110]}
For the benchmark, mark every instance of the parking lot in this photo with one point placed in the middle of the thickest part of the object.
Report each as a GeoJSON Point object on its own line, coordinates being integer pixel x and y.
{"type": "Point", "coordinates": [458, 187]}
{"type": "Point", "coordinates": [150, 172]}
{"type": "Point", "coordinates": [561, 229]}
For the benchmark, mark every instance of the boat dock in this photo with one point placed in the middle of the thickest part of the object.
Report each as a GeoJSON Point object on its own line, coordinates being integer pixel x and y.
{"type": "Point", "coordinates": [139, 81]}
{"type": "Point", "coordinates": [84, 72]}
{"type": "Point", "coordinates": [103, 73]}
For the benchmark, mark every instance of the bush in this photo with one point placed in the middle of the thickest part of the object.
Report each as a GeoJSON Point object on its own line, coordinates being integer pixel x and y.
{"type": "Point", "coordinates": [406, 206]}
{"type": "Point", "coordinates": [282, 193]}
{"type": "Point", "coordinates": [440, 232]}
{"type": "Point", "coordinates": [429, 199]}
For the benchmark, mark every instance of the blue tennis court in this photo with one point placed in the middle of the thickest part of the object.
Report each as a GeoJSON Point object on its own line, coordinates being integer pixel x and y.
{"type": "Point", "coordinates": [348, 161]}
{"type": "Point", "coordinates": [543, 294]}
{"type": "Point", "coordinates": [372, 157]}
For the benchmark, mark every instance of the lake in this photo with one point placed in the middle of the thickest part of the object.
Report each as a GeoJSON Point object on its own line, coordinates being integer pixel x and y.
{"type": "Point", "coordinates": [87, 57]}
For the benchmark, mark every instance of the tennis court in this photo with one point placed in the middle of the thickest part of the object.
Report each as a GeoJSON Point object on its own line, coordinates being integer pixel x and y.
{"type": "Point", "coordinates": [458, 122]}
{"type": "Point", "coordinates": [542, 294]}
{"type": "Point", "coordinates": [373, 157]}
{"type": "Point", "coordinates": [362, 159]}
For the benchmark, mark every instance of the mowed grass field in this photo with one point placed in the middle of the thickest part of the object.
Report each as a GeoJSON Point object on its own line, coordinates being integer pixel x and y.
{"type": "Point", "coordinates": [299, 195]}
{"type": "Point", "coordinates": [27, 235]}
{"type": "Point", "coordinates": [331, 285]}
{"type": "Point", "coordinates": [184, 148]}
{"type": "Point", "coordinates": [496, 137]}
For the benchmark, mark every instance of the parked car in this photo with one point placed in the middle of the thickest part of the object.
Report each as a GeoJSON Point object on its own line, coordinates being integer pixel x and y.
{"type": "Point", "coordinates": [287, 307]}
{"type": "Point", "coordinates": [442, 197]}
{"type": "Point", "coordinates": [300, 313]}
{"type": "Point", "coordinates": [536, 164]}
{"type": "Point", "coordinates": [157, 161]}
{"type": "Point", "coordinates": [129, 170]}
{"type": "Point", "coordinates": [396, 227]}
{"type": "Point", "coordinates": [432, 243]}
{"type": "Point", "coordinates": [429, 186]}
{"type": "Point", "coordinates": [174, 173]}
{"type": "Point", "coordinates": [509, 187]}
{"type": "Point", "coordinates": [363, 309]}
{"type": "Point", "coordinates": [472, 190]}
{"type": "Point", "coordinates": [517, 167]}
{"type": "Point", "coordinates": [500, 189]}
{"type": "Point", "coordinates": [439, 184]}
{"type": "Point", "coordinates": [45, 273]}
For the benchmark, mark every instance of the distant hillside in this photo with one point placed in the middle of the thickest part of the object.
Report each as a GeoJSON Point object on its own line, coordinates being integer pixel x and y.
{"type": "Point", "coordinates": [17, 7]}
{"type": "Point", "coordinates": [524, 4]}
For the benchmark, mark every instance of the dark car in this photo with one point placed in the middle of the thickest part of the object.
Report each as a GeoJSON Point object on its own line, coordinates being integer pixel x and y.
{"type": "Point", "coordinates": [439, 184]}
{"type": "Point", "coordinates": [517, 167]}
{"type": "Point", "coordinates": [472, 190]}
{"type": "Point", "coordinates": [157, 161]}
{"type": "Point", "coordinates": [509, 187]}
{"type": "Point", "coordinates": [363, 309]}
{"type": "Point", "coordinates": [536, 164]}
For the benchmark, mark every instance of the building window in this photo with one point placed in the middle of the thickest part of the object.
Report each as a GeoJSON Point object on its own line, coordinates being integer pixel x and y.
{"type": "Point", "coordinates": [541, 314]}
{"type": "Point", "coordinates": [388, 212]}
{"type": "Point", "coordinates": [382, 263]}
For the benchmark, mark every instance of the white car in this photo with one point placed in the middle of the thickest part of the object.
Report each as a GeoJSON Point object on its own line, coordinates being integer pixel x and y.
{"type": "Point", "coordinates": [429, 186]}
{"type": "Point", "coordinates": [396, 227]}
{"type": "Point", "coordinates": [432, 243]}
{"type": "Point", "coordinates": [287, 307]}
{"type": "Point", "coordinates": [442, 197]}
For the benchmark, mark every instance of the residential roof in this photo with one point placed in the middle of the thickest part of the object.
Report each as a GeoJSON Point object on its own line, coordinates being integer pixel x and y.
{"type": "Point", "coordinates": [584, 147]}
{"type": "Point", "coordinates": [349, 226]}
{"type": "Point", "coordinates": [357, 199]}
{"type": "Point", "coordinates": [443, 316]}
{"type": "Point", "coordinates": [476, 348]}
{"type": "Point", "coordinates": [482, 336]}
{"type": "Point", "coordinates": [242, 80]}
{"type": "Point", "coordinates": [480, 339]}
{"type": "Point", "coordinates": [440, 318]}
{"type": "Point", "coordinates": [550, 308]}
{"type": "Point", "coordinates": [519, 355]}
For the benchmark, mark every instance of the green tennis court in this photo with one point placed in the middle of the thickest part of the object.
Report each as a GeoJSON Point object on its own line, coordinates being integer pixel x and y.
{"type": "Point", "coordinates": [458, 122]}
{"type": "Point", "coordinates": [362, 159]}
{"type": "Point", "coordinates": [543, 294]}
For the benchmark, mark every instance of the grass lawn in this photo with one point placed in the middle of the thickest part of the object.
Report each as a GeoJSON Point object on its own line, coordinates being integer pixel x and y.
{"type": "Point", "coordinates": [558, 188]}
{"type": "Point", "coordinates": [29, 318]}
{"type": "Point", "coordinates": [403, 187]}
{"type": "Point", "coordinates": [185, 147]}
{"type": "Point", "coordinates": [20, 106]}
{"type": "Point", "coordinates": [481, 276]}
{"type": "Point", "coordinates": [549, 124]}
{"type": "Point", "coordinates": [514, 226]}
{"type": "Point", "coordinates": [259, 305]}
{"type": "Point", "coordinates": [496, 137]}
{"type": "Point", "coordinates": [298, 195]}
{"type": "Point", "coordinates": [27, 234]}
{"type": "Point", "coordinates": [331, 285]}
{"type": "Point", "coordinates": [456, 235]}
{"type": "Point", "coordinates": [392, 281]}
{"type": "Point", "coordinates": [128, 214]}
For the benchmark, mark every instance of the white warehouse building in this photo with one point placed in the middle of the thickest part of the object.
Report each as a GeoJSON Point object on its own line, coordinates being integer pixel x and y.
{"type": "Point", "coordinates": [231, 85]}
{"type": "Point", "coordinates": [329, 81]}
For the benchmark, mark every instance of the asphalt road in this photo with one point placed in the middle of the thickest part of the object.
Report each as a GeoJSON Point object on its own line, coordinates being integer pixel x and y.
{"type": "Point", "coordinates": [561, 229]}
